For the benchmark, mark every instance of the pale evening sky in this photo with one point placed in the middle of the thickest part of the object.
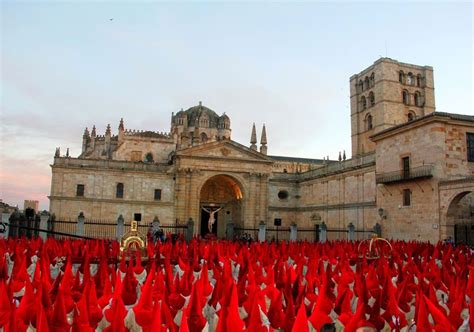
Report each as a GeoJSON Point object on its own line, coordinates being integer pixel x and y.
{"type": "Point", "coordinates": [66, 66]}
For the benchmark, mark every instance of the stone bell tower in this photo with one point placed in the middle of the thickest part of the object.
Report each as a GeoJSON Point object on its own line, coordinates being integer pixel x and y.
{"type": "Point", "coordinates": [386, 94]}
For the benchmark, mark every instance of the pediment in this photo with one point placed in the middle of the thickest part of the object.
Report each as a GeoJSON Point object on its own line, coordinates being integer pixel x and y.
{"type": "Point", "coordinates": [223, 150]}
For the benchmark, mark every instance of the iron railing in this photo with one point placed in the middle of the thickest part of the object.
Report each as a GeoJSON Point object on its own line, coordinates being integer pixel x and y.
{"type": "Point", "coordinates": [420, 172]}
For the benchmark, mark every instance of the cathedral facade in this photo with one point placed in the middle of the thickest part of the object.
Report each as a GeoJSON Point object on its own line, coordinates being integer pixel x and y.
{"type": "Point", "coordinates": [411, 171]}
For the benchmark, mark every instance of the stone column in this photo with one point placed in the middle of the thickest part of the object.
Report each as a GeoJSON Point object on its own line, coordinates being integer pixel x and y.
{"type": "Point", "coordinates": [324, 232]}
{"type": "Point", "coordinates": [180, 196]}
{"type": "Point", "coordinates": [262, 231]}
{"type": "Point", "coordinates": [4, 227]}
{"type": "Point", "coordinates": [351, 233]}
{"type": "Point", "coordinates": [293, 232]}
{"type": "Point", "coordinates": [80, 224]}
{"type": "Point", "coordinates": [264, 198]}
{"type": "Point", "coordinates": [194, 209]}
{"type": "Point", "coordinates": [190, 230]}
{"type": "Point", "coordinates": [44, 217]}
{"type": "Point", "coordinates": [249, 216]}
{"type": "Point", "coordinates": [120, 227]}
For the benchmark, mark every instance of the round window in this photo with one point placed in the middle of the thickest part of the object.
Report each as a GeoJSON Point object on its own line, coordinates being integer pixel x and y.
{"type": "Point", "coordinates": [283, 194]}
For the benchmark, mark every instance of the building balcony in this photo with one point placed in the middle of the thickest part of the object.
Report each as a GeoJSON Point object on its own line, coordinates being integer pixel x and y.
{"type": "Point", "coordinates": [420, 172]}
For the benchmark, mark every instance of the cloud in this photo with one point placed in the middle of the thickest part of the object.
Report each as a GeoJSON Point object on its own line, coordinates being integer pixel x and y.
{"type": "Point", "coordinates": [22, 179]}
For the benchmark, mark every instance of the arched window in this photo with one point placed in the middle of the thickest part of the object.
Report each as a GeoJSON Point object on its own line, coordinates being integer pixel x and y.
{"type": "Point", "coordinates": [119, 190]}
{"type": "Point", "coordinates": [149, 157]}
{"type": "Point", "coordinates": [405, 97]}
{"type": "Point", "coordinates": [363, 102]}
{"type": "Point", "coordinates": [417, 98]}
{"type": "Point", "coordinates": [368, 122]}
{"type": "Point", "coordinates": [410, 79]}
{"type": "Point", "coordinates": [203, 137]}
{"type": "Point", "coordinates": [372, 80]}
{"type": "Point", "coordinates": [401, 76]}
{"type": "Point", "coordinates": [418, 80]}
{"type": "Point", "coordinates": [366, 83]}
{"type": "Point", "coordinates": [411, 116]}
{"type": "Point", "coordinates": [371, 99]}
{"type": "Point", "coordinates": [361, 86]}
{"type": "Point", "coordinates": [204, 121]}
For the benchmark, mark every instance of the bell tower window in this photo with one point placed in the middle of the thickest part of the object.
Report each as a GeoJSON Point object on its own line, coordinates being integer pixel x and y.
{"type": "Point", "coordinates": [401, 76]}
{"type": "Point", "coordinates": [363, 102]}
{"type": "Point", "coordinates": [405, 97]}
{"type": "Point", "coordinates": [417, 99]}
{"type": "Point", "coordinates": [371, 99]}
{"type": "Point", "coordinates": [369, 125]}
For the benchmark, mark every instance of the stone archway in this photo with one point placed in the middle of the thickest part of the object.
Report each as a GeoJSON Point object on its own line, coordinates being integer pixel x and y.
{"type": "Point", "coordinates": [460, 218]}
{"type": "Point", "coordinates": [221, 195]}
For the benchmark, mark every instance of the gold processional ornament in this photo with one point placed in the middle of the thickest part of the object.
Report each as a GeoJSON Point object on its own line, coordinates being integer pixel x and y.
{"type": "Point", "coordinates": [374, 248]}
{"type": "Point", "coordinates": [133, 241]}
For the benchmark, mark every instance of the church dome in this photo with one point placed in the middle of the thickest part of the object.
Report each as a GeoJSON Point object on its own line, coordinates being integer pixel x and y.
{"type": "Point", "coordinates": [224, 122]}
{"type": "Point", "coordinates": [198, 112]}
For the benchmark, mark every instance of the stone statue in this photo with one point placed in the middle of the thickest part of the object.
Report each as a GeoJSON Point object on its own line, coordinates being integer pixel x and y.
{"type": "Point", "coordinates": [212, 219]}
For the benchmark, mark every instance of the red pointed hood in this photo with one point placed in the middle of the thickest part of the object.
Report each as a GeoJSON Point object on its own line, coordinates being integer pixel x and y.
{"type": "Point", "coordinates": [129, 291]}
{"type": "Point", "coordinates": [301, 321]}
{"type": "Point", "coordinates": [5, 305]}
{"type": "Point", "coordinates": [59, 320]}
{"type": "Point", "coordinates": [144, 310]}
{"type": "Point", "coordinates": [196, 320]}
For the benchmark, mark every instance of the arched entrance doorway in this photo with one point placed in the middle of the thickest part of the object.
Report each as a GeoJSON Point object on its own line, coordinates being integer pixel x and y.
{"type": "Point", "coordinates": [220, 203]}
{"type": "Point", "coordinates": [460, 216]}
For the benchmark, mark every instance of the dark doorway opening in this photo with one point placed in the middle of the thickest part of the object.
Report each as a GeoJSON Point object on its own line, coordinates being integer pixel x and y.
{"type": "Point", "coordinates": [205, 222]}
{"type": "Point", "coordinates": [464, 234]}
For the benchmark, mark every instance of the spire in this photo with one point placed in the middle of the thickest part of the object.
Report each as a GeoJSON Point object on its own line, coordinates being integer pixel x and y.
{"type": "Point", "coordinates": [67, 153]}
{"type": "Point", "coordinates": [253, 138]}
{"type": "Point", "coordinates": [85, 140]}
{"type": "Point", "coordinates": [57, 153]}
{"type": "Point", "coordinates": [340, 157]}
{"type": "Point", "coordinates": [121, 130]}
{"type": "Point", "coordinates": [344, 155]}
{"type": "Point", "coordinates": [263, 141]}
{"type": "Point", "coordinates": [107, 131]}
{"type": "Point", "coordinates": [93, 133]}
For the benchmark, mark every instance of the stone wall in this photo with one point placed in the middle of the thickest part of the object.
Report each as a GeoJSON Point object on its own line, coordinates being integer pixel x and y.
{"type": "Point", "coordinates": [159, 148]}
{"type": "Point", "coordinates": [439, 141]}
{"type": "Point", "coordinates": [99, 200]}
{"type": "Point", "coordinates": [388, 109]}
{"type": "Point", "coordinates": [456, 151]}
{"type": "Point", "coordinates": [336, 194]}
